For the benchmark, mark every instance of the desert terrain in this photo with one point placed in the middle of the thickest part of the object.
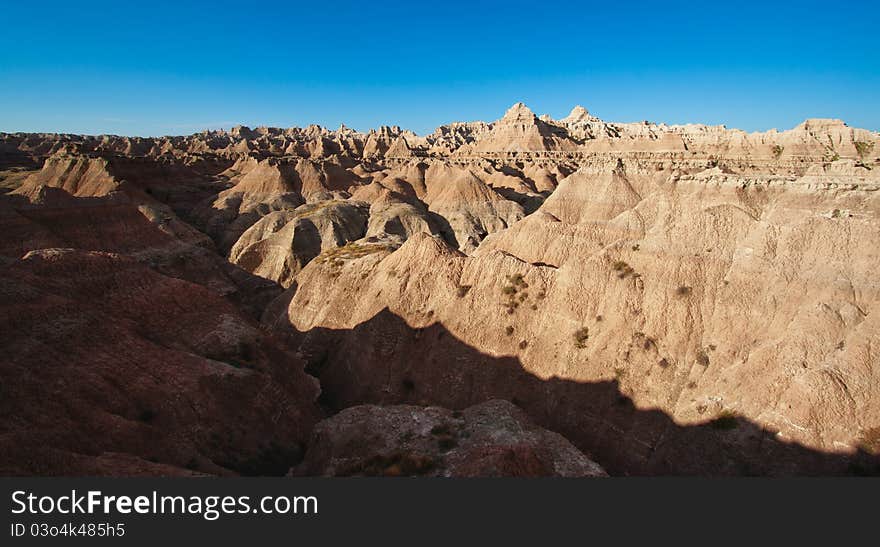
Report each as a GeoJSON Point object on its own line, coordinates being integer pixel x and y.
{"type": "Point", "coordinates": [522, 297]}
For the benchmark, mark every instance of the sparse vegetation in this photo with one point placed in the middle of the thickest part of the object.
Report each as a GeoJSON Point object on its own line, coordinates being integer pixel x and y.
{"type": "Point", "coordinates": [517, 280]}
{"type": "Point", "coordinates": [517, 283]}
{"type": "Point", "coordinates": [863, 148]}
{"type": "Point", "coordinates": [350, 251]}
{"type": "Point", "coordinates": [311, 208]}
{"type": "Point", "coordinates": [683, 290]}
{"type": "Point", "coordinates": [462, 290]}
{"type": "Point", "coordinates": [777, 151]}
{"type": "Point", "coordinates": [509, 330]}
{"type": "Point", "coordinates": [446, 442]}
{"type": "Point", "coordinates": [523, 344]}
{"type": "Point", "coordinates": [581, 336]}
{"type": "Point", "coordinates": [394, 465]}
{"type": "Point", "coordinates": [703, 359]}
{"type": "Point", "coordinates": [623, 269]}
{"type": "Point", "coordinates": [445, 436]}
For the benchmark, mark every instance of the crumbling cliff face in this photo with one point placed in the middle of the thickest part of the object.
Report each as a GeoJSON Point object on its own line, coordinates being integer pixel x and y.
{"type": "Point", "coordinates": [671, 299]}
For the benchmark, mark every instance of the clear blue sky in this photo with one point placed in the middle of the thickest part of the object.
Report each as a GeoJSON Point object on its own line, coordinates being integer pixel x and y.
{"type": "Point", "coordinates": [155, 68]}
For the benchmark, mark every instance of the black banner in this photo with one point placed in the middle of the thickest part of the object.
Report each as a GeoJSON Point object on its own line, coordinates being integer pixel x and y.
{"type": "Point", "coordinates": [413, 511]}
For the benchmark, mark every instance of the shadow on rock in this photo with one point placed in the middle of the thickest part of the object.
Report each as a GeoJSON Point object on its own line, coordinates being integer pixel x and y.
{"type": "Point", "coordinates": [385, 361]}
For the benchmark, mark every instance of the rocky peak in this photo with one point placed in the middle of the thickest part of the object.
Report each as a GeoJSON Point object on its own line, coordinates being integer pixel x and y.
{"type": "Point", "coordinates": [821, 123]}
{"type": "Point", "coordinates": [519, 113]}
{"type": "Point", "coordinates": [579, 114]}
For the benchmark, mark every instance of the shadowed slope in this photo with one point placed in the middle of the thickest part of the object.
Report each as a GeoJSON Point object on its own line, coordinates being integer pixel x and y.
{"type": "Point", "coordinates": [385, 361]}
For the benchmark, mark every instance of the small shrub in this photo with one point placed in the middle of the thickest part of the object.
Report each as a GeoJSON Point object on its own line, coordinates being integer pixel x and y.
{"type": "Point", "coordinates": [508, 330]}
{"type": "Point", "coordinates": [777, 151]}
{"type": "Point", "coordinates": [623, 269]}
{"type": "Point", "coordinates": [683, 290]}
{"type": "Point", "coordinates": [462, 290]}
{"type": "Point", "coordinates": [863, 148]}
{"type": "Point", "coordinates": [394, 465]}
{"type": "Point", "coordinates": [703, 359]}
{"type": "Point", "coordinates": [726, 420]}
{"type": "Point", "coordinates": [407, 436]}
{"type": "Point", "coordinates": [509, 290]}
{"type": "Point", "coordinates": [523, 344]}
{"type": "Point", "coordinates": [635, 247]}
{"type": "Point", "coordinates": [664, 363]}
{"type": "Point", "coordinates": [835, 213]}
{"type": "Point", "coordinates": [870, 441]}
{"type": "Point", "coordinates": [581, 336]}
{"type": "Point", "coordinates": [599, 318]}
{"type": "Point", "coordinates": [446, 442]}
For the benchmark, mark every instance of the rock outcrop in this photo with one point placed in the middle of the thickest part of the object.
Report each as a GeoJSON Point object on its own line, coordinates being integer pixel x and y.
{"type": "Point", "coordinates": [492, 439]}
{"type": "Point", "coordinates": [278, 245]}
{"type": "Point", "coordinates": [111, 368]}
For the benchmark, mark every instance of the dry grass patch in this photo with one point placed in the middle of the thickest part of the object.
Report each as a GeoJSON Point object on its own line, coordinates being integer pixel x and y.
{"type": "Point", "coordinates": [351, 251]}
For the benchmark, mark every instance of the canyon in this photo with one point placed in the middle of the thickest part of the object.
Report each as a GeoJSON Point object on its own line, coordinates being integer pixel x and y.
{"type": "Point", "coordinates": [528, 297]}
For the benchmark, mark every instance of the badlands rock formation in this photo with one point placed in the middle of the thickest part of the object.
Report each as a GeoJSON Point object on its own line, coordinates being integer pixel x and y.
{"type": "Point", "coordinates": [672, 299]}
{"type": "Point", "coordinates": [492, 439]}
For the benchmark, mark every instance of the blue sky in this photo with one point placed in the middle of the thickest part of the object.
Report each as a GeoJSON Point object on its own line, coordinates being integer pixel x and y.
{"type": "Point", "coordinates": [177, 67]}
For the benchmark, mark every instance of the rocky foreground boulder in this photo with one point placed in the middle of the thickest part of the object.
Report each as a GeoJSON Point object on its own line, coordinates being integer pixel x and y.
{"type": "Point", "coordinates": [492, 439]}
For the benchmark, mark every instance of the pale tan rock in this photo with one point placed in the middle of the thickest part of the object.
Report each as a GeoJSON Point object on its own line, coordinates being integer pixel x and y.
{"type": "Point", "coordinates": [278, 245]}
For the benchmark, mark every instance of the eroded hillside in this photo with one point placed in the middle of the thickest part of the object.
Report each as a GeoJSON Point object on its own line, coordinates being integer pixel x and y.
{"type": "Point", "coordinates": [671, 299]}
